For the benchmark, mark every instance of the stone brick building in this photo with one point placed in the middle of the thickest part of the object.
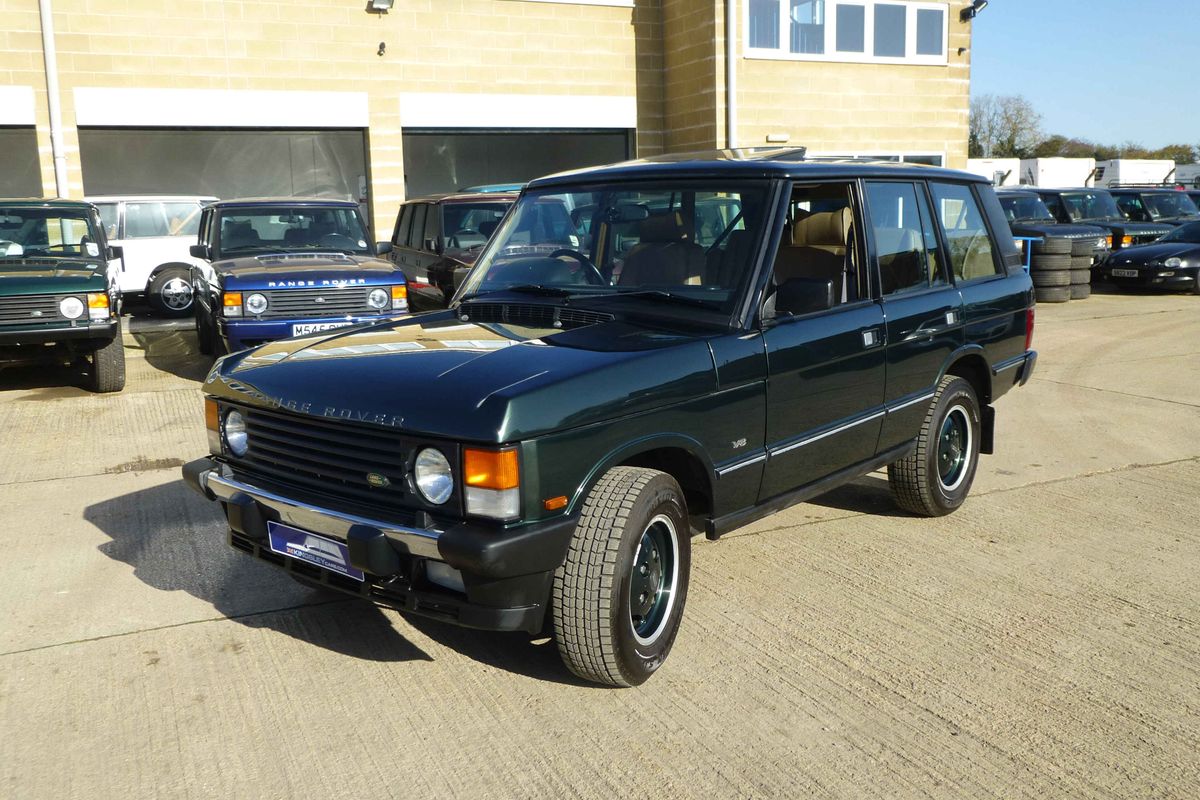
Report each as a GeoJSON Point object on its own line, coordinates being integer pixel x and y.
{"type": "Point", "coordinates": [237, 97]}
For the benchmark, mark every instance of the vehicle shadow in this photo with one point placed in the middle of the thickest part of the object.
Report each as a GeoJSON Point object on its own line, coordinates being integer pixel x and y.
{"type": "Point", "coordinates": [168, 345]}
{"type": "Point", "coordinates": [869, 494]}
{"type": "Point", "coordinates": [47, 380]}
{"type": "Point", "coordinates": [175, 541]}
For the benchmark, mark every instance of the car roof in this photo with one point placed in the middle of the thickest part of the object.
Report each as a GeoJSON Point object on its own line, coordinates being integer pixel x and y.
{"type": "Point", "coordinates": [43, 202]}
{"type": "Point", "coordinates": [753, 163]}
{"type": "Point", "coordinates": [1144, 190]}
{"type": "Point", "coordinates": [465, 197]}
{"type": "Point", "coordinates": [112, 198]}
{"type": "Point", "coordinates": [1057, 189]}
{"type": "Point", "coordinates": [285, 201]}
{"type": "Point", "coordinates": [1017, 190]}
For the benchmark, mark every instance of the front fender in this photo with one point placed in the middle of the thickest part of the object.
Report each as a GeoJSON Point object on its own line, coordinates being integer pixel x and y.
{"type": "Point", "coordinates": [630, 450]}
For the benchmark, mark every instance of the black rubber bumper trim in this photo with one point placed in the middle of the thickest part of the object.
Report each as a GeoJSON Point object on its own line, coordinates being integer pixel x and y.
{"type": "Point", "coordinates": [500, 553]}
{"type": "Point", "coordinates": [100, 332]}
{"type": "Point", "coordinates": [191, 476]}
{"type": "Point", "coordinates": [1027, 367]}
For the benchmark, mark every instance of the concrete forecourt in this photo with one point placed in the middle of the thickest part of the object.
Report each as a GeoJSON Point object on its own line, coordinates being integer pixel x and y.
{"type": "Point", "coordinates": [1042, 641]}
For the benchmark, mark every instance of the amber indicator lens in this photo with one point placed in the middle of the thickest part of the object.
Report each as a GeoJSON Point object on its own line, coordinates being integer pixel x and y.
{"type": "Point", "coordinates": [491, 469]}
{"type": "Point", "coordinates": [97, 301]}
{"type": "Point", "coordinates": [399, 292]}
{"type": "Point", "coordinates": [233, 298]}
{"type": "Point", "coordinates": [555, 503]}
{"type": "Point", "coordinates": [212, 417]}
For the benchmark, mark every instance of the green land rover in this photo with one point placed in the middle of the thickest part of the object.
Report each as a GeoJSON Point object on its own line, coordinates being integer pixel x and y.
{"type": "Point", "coordinates": [59, 299]}
{"type": "Point", "coordinates": [695, 343]}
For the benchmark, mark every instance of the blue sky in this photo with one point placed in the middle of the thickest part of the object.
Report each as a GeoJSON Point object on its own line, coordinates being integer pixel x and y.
{"type": "Point", "coordinates": [1108, 71]}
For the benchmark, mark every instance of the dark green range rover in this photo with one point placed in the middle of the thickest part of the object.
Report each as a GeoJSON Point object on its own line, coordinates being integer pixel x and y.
{"type": "Point", "coordinates": [696, 343]}
{"type": "Point", "coordinates": [59, 298]}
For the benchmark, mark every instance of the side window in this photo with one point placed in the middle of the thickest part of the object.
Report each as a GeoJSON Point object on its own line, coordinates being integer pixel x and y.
{"type": "Point", "coordinates": [143, 220]}
{"type": "Point", "coordinates": [1055, 205]}
{"type": "Point", "coordinates": [905, 241]}
{"type": "Point", "coordinates": [109, 218]}
{"type": "Point", "coordinates": [403, 226]}
{"type": "Point", "coordinates": [183, 219]}
{"type": "Point", "coordinates": [818, 252]}
{"type": "Point", "coordinates": [971, 251]}
{"type": "Point", "coordinates": [417, 226]}
{"type": "Point", "coordinates": [433, 228]}
{"type": "Point", "coordinates": [205, 227]}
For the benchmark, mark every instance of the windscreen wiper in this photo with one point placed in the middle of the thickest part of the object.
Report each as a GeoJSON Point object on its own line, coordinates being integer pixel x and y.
{"type": "Point", "coordinates": [526, 288]}
{"type": "Point", "coordinates": [660, 296]}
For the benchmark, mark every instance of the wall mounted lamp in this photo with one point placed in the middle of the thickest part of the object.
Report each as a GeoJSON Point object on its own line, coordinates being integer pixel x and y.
{"type": "Point", "coordinates": [384, 6]}
{"type": "Point", "coordinates": [967, 14]}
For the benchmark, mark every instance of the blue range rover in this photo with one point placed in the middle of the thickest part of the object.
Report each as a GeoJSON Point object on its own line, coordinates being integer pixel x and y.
{"type": "Point", "coordinates": [280, 267]}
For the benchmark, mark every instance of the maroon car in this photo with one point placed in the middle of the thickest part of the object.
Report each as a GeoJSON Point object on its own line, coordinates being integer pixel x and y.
{"type": "Point", "coordinates": [437, 235]}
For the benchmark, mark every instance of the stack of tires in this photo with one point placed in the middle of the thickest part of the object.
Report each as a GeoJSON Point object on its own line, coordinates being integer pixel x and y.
{"type": "Point", "coordinates": [1061, 269]}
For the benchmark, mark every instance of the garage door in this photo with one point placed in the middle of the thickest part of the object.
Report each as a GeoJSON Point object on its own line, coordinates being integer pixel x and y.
{"type": "Point", "coordinates": [20, 173]}
{"type": "Point", "coordinates": [447, 160]}
{"type": "Point", "coordinates": [223, 163]}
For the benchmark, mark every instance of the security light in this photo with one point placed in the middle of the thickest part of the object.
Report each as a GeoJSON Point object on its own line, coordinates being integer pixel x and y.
{"type": "Point", "coordinates": [384, 6]}
{"type": "Point", "coordinates": [966, 15]}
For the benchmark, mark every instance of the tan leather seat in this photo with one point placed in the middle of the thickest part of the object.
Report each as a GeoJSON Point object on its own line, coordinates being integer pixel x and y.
{"type": "Point", "coordinates": [663, 256]}
{"type": "Point", "coordinates": [818, 250]}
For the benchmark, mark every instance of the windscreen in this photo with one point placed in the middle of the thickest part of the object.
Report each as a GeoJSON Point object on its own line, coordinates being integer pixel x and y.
{"type": "Point", "coordinates": [283, 229]}
{"type": "Point", "coordinates": [1189, 234]}
{"type": "Point", "coordinates": [48, 232]}
{"type": "Point", "coordinates": [689, 240]}
{"type": "Point", "coordinates": [1025, 208]}
{"type": "Point", "coordinates": [1090, 205]}
{"type": "Point", "coordinates": [1170, 204]}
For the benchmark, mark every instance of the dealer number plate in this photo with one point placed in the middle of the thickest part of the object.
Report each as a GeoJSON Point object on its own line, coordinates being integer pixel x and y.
{"type": "Point", "coordinates": [304, 546]}
{"type": "Point", "coordinates": [301, 328]}
{"type": "Point", "coordinates": [1125, 273]}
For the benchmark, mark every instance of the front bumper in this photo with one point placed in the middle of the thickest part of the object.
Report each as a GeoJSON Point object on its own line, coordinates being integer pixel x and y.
{"type": "Point", "coordinates": [1152, 277]}
{"type": "Point", "coordinates": [506, 573]}
{"type": "Point", "coordinates": [100, 332]}
{"type": "Point", "coordinates": [240, 333]}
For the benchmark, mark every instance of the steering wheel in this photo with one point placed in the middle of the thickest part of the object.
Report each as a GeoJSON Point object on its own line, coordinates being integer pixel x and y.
{"type": "Point", "coordinates": [337, 240]}
{"type": "Point", "coordinates": [590, 273]}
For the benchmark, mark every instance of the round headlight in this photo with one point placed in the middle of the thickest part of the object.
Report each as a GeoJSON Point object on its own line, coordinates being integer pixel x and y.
{"type": "Point", "coordinates": [235, 433]}
{"type": "Point", "coordinates": [434, 478]}
{"type": "Point", "coordinates": [379, 298]}
{"type": "Point", "coordinates": [1173, 262]}
{"type": "Point", "coordinates": [256, 303]}
{"type": "Point", "coordinates": [71, 307]}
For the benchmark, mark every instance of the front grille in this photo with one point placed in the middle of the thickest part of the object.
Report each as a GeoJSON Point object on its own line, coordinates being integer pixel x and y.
{"type": "Point", "coordinates": [327, 301]}
{"type": "Point", "coordinates": [29, 308]}
{"type": "Point", "coordinates": [333, 459]}
{"type": "Point", "coordinates": [532, 315]}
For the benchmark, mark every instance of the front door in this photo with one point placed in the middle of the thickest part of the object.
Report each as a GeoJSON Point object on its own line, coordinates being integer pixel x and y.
{"type": "Point", "coordinates": [825, 367]}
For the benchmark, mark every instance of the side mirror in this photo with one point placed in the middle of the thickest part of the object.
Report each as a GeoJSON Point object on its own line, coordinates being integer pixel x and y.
{"type": "Point", "coordinates": [797, 296]}
{"type": "Point", "coordinates": [200, 251]}
{"type": "Point", "coordinates": [383, 248]}
{"type": "Point", "coordinates": [431, 245]}
{"type": "Point", "coordinates": [115, 252]}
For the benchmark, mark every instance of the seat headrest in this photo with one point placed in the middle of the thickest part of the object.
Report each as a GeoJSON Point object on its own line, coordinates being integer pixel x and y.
{"type": "Point", "coordinates": [823, 229]}
{"type": "Point", "coordinates": [661, 228]}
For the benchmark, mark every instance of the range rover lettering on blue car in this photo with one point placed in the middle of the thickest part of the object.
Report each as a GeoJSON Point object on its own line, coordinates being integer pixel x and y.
{"type": "Point", "coordinates": [276, 268]}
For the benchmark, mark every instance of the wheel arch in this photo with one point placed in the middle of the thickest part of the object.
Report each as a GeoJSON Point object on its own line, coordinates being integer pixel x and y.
{"type": "Point", "coordinates": [681, 457]}
{"type": "Point", "coordinates": [970, 364]}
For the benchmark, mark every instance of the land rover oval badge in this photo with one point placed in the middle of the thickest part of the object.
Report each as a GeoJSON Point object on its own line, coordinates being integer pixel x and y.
{"type": "Point", "coordinates": [377, 480]}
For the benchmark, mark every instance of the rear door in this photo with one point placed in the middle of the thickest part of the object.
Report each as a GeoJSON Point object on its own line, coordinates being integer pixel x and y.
{"type": "Point", "coordinates": [923, 309]}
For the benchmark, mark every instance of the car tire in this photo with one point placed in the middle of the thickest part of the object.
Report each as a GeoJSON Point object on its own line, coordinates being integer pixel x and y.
{"type": "Point", "coordinates": [1081, 262]}
{"type": "Point", "coordinates": [1052, 294]}
{"type": "Point", "coordinates": [1083, 247]}
{"type": "Point", "coordinates": [1053, 245]}
{"type": "Point", "coordinates": [170, 292]}
{"type": "Point", "coordinates": [1051, 261]}
{"type": "Point", "coordinates": [1081, 277]}
{"type": "Point", "coordinates": [108, 367]}
{"type": "Point", "coordinates": [934, 480]}
{"type": "Point", "coordinates": [618, 597]}
{"type": "Point", "coordinates": [1051, 277]}
{"type": "Point", "coordinates": [1080, 291]}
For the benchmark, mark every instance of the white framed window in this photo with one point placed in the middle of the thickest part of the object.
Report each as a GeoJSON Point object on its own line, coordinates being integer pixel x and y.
{"type": "Point", "coordinates": [860, 31]}
{"type": "Point", "coordinates": [928, 159]}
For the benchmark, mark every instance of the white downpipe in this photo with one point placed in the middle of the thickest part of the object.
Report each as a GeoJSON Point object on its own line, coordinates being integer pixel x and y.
{"type": "Point", "coordinates": [51, 56]}
{"type": "Point", "coordinates": [730, 74]}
